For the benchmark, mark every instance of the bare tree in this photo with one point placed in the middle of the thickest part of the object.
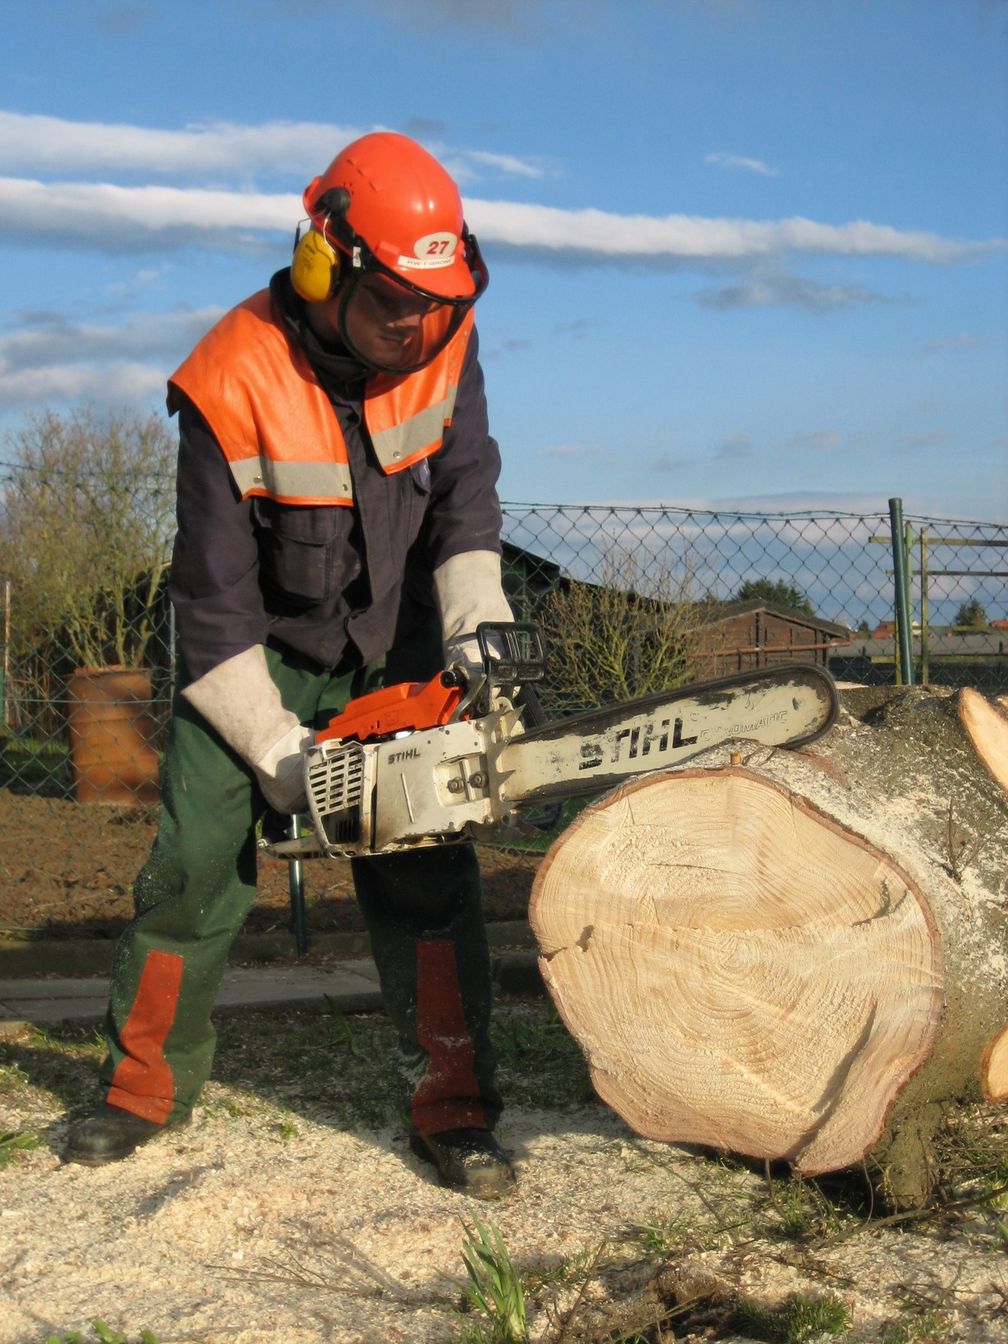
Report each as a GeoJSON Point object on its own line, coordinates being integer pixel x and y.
{"type": "Point", "coordinates": [631, 632]}
{"type": "Point", "coordinates": [86, 520]}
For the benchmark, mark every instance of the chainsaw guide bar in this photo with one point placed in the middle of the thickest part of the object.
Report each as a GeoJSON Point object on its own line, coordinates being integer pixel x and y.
{"type": "Point", "coordinates": [594, 751]}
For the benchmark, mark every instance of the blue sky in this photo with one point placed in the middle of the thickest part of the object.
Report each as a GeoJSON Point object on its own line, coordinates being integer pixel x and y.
{"type": "Point", "coordinates": [743, 253]}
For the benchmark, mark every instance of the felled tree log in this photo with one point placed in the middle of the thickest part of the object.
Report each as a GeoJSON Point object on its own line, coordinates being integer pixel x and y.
{"type": "Point", "coordinates": [795, 955]}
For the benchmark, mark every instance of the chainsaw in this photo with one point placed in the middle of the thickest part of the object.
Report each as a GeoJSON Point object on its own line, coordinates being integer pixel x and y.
{"type": "Point", "coordinates": [451, 759]}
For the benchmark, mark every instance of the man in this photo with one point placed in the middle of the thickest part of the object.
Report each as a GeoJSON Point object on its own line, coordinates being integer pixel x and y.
{"type": "Point", "coordinates": [336, 495]}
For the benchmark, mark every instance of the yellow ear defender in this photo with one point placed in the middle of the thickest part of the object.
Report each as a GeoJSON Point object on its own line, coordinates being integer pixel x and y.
{"type": "Point", "coordinates": [315, 267]}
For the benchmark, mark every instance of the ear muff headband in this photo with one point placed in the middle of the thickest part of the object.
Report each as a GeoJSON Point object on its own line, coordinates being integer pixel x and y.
{"type": "Point", "coordinates": [315, 267]}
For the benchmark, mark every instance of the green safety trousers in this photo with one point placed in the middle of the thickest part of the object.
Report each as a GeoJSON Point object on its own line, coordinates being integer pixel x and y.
{"type": "Point", "coordinates": [422, 909]}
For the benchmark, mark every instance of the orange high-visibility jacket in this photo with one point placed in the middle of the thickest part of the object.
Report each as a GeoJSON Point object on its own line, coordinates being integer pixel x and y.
{"type": "Point", "coordinates": [256, 390]}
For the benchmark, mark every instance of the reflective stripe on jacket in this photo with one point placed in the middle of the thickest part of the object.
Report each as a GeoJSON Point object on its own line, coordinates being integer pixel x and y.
{"type": "Point", "coordinates": [258, 393]}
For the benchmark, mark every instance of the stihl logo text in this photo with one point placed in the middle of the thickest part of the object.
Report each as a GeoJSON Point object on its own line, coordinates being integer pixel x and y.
{"type": "Point", "coordinates": [632, 744]}
{"type": "Point", "coordinates": [408, 754]}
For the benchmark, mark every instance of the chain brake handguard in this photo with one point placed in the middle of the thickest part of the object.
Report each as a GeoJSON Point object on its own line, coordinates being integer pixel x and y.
{"type": "Point", "coordinates": [522, 660]}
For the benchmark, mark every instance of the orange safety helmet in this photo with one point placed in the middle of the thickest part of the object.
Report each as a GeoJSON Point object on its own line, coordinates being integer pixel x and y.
{"type": "Point", "coordinates": [389, 239]}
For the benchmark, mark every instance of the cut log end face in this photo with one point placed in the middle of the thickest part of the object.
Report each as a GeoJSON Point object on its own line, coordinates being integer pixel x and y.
{"type": "Point", "coordinates": [740, 970]}
{"type": "Point", "coordinates": [987, 729]}
{"type": "Point", "coordinates": [994, 1068]}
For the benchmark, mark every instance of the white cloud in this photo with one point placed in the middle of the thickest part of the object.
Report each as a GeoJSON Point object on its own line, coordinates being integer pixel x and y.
{"type": "Point", "coordinates": [792, 504]}
{"type": "Point", "coordinates": [670, 462]}
{"type": "Point", "coordinates": [109, 218]}
{"type": "Point", "coordinates": [741, 162]}
{"type": "Point", "coordinates": [219, 205]}
{"type": "Point", "coordinates": [573, 450]}
{"type": "Point", "coordinates": [49, 360]}
{"type": "Point", "coordinates": [45, 144]}
{"type": "Point", "coordinates": [963, 340]}
{"type": "Point", "coordinates": [509, 164]}
{"type": "Point", "coordinates": [814, 441]}
{"type": "Point", "coordinates": [49, 340]}
{"type": "Point", "coordinates": [933, 438]}
{"type": "Point", "coordinates": [118, 381]}
{"type": "Point", "coordinates": [698, 238]}
{"type": "Point", "coordinates": [289, 150]}
{"type": "Point", "coordinates": [767, 289]}
{"type": "Point", "coordinates": [738, 447]}
{"type": "Point", "coordinates": [519, 20]}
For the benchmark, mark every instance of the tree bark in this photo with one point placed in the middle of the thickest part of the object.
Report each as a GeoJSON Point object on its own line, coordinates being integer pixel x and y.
{"type": "Point", "coordinates": [796, 955]}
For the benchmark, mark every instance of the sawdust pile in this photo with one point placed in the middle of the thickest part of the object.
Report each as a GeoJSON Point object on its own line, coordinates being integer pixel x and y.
{"type": "Point", "coordinates": [251, 1228]}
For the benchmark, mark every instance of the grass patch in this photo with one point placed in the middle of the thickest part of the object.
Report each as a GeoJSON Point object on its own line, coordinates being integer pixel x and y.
{"type": "Point", "coordinates": [103, 1334]}
{"type": "Point", "coordinates": [796, 1319]}
{"type": "Point", "coordinates": [539, 1062]}
{"type": "Point", "coordinates": [929, 1328]}
{"type": "Point", "coordinates": [494, 1288]}
{"type": "Point", "coordinates": [35, 765]}
{"type": "Point", "coordinates": [52, 1064]}
{"type": "Point", "coordinates": [19, 1142]}
{"type": "Point", "coordinates": [332, 1067]}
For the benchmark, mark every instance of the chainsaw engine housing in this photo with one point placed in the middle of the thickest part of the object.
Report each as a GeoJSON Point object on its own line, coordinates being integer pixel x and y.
{"type": "Point", "coordinates": [417, 788]}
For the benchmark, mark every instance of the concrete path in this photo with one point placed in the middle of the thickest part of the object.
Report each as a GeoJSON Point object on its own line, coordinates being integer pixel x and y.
{"type": "Point", "coordinates": [50, 983]}
{"type": "Point", "coordinates": [352, 987]}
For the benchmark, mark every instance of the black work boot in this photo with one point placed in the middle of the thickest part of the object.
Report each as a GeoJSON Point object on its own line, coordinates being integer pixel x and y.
{"type": "Point", "coordinates": [469, 1160]}
{"type": "Point", "coordinates": [109, 1134]}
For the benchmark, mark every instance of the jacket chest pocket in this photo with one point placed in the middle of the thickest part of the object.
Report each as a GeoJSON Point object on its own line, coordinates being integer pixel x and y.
{"type": "Point", "coordinates": [305, 550]}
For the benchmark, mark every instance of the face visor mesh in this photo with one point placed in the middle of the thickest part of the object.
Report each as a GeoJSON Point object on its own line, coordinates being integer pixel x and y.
{"type": "Point", "coordinates": [390, 326]}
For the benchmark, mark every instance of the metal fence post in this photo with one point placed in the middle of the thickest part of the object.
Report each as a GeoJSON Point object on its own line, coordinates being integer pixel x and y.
{"type": "Point", "coordinates": [295, 884]}
{"type": "Point", "coordinates": [172, 653]}
{"type": "Point", "coordinates": [904, 643]}
{"type": "Point", "coordinates": [5, 669]}
{"type": "Point", "coordinates": [924, 611]}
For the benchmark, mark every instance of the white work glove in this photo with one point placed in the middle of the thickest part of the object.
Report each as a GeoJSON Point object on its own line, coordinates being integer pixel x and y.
{"type": "Point", "coordinates": [467, 589]}
{"type": "Point", "coordinates": [240, 699]}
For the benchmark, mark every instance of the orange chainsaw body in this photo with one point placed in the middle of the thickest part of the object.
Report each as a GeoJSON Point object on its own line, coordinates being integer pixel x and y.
{"type": "Point", "coordinates": [406, 707]}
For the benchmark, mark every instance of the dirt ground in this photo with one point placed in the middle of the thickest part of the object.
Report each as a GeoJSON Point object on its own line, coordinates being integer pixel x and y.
{"type": "Point", "coordinates": [67, 870]}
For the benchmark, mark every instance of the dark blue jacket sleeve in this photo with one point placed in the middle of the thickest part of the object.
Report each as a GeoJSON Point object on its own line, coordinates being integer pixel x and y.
{"type": "Point", "coordinates": [465, 512]}
{"type": "Point", "coordinates": [214, 581]}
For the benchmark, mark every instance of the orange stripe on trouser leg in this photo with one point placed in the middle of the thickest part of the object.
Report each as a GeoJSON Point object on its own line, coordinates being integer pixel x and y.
{"type": "Point", "coordinates": [448, 1094]}
{"type": "Point", "coordinates": [143, 1081]}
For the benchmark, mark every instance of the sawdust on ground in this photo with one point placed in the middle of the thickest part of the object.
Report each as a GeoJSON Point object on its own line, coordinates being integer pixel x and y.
{"type": "Point", "coordinates": [243, 1229]}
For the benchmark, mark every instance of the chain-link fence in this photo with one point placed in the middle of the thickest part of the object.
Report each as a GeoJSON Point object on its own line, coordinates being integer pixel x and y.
{"type": "Point", "coordinates": [756, 587]}
{"type": "Point", "coordinates": [833, 571]}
